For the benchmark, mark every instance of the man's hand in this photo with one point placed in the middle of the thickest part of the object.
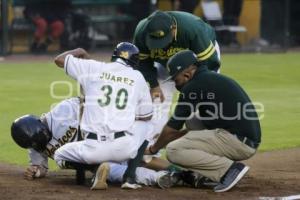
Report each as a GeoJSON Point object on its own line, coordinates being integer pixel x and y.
{"type": "Point", "coordinates": [35, 171]}
{"type": "Point", "coordinates": [78, 53]}
{"type": "Point", "coordinates": [157, 93]}
{"type": "Point", "coordinates": [167, 135]}
{"type": "Point", "coordinates": [150, 150]}
{"type": "Point", "coordinates": [147, 152]}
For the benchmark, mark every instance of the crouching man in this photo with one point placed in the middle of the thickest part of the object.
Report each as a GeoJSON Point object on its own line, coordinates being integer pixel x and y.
{"type": "Point", "coordinates": [222, 124]}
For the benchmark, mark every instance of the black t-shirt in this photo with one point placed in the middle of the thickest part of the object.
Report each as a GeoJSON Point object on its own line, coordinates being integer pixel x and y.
{"type": "Point", "coordinates": [221, 103]}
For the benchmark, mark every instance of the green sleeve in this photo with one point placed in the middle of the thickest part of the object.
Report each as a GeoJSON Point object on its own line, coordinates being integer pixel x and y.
{"type": "Point", "coordinates": [205, 51]}
{"type": "Point", "coordinates": [149, 72]}
{"type": "Point", "coordinates": [146, 66]}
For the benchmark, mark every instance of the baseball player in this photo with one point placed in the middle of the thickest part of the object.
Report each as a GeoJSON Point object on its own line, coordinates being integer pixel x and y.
{"type": "Point", "coordinates": [114, 93]}
{"type": "Point", "coordinates": [160, 36]}
{"type": "Point", "coordinates": [44, 135]}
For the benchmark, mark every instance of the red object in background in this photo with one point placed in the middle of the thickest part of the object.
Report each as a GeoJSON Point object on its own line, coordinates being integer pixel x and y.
{"type": "Point", "coordinates": [56, 28]}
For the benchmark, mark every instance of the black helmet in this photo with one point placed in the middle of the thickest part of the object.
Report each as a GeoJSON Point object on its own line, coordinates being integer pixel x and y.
{"type": "Point", "coordinates": [29, 132]}
{"type": "Point", "coordinates": [128, 52]}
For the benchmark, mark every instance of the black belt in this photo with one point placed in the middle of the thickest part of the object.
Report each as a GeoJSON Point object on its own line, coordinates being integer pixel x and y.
{"type": "Point", "coordinates": [94, 136]}
{"type": "Point", "coordinates": [248, 142]}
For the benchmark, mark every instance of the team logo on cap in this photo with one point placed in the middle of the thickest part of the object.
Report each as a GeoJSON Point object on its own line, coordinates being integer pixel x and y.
{"type": "Point", "coordinates": [124, 54]}
{"type": "Point", "coordinates": [178, 67]}
{"type": "Point", "coordinates": [158, 34]}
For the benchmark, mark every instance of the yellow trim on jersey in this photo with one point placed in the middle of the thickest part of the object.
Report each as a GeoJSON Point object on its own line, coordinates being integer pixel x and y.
{"type": "Point", "coordinates": [143, 56]}
{"type": "Point", "coordinates": [208, 55]}
{"type": "Point", "coordinates": [203, 53]}
{"type": "Point", "coordinates": [207, 52]}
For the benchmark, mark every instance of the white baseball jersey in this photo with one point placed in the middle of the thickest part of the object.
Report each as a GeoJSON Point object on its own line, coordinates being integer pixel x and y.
{"type": "Point", "coordinates": [114, 94]}
{"type": "Point", "coordinates": [63, 122]}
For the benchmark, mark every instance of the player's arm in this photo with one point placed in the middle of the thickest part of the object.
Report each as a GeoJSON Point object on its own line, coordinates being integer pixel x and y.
{"type": "Point", "coordinates": [168, 135]}
{"type": "Point", "coordinates": [77, 65]}
{"type": "Point", "coordinates": [206, 52]}
{"type": "Point", "coordinates": [146, 66]}
{"type": "Point", "coordinates": [77, 53]}
{"type": "Point", "coordinates": [38, 167]}
{"type": "Point", "coordinates": [173, 129]}
{"type": "Point", "coordinates": [150, 74]}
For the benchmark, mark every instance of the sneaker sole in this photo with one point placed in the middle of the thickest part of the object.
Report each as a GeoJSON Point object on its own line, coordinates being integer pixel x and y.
{"type": "Point", "coordinates": [238, 178]}
{"type": "Point", "coordinates": [130, 186]}
{"type": "Point", "coordinates": [101, 177]}
{"type": "Point", "coordinates": [164, 182]}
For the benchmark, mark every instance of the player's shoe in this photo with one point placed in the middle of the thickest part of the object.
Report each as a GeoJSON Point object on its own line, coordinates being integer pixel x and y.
{"type": "Point", "coordinates": [234, 174]}
{"type": "Point", "coordinates": [99, 180]}
{"type": "Point", "coordinates": [169, 179]}
{"type": "Point", "coordinates": [130, 184]}
{"type": "Point", "coordinates": [196, 180]}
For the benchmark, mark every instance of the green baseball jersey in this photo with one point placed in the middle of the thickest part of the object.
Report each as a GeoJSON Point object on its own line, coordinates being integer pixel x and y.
{"type": "Point", "coordinates": [221, 102]}
{"type": "Point", "coordinates": [192, 33]}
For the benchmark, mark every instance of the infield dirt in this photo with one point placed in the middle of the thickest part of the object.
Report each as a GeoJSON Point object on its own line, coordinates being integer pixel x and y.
{"type": "Point", "coordinates": [272, 174]}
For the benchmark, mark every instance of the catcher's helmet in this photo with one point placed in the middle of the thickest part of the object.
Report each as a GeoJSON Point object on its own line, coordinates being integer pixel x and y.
{"type": "Point", "coordinates": [29, 132]}
{"type": "Point", "coordinates": [127, 52]}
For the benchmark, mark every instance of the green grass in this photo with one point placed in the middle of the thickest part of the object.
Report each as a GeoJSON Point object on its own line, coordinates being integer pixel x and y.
{"type": "Point", "coordinates": [25, 88]}
{"type": "Point", "coordinates": [272, 79]}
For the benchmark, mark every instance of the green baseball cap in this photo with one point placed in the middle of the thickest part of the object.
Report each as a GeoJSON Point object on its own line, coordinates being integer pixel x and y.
{"type": "Point", "coordinates": [159, 33]}
{"type": "Point", "coordinates": [179, 62]}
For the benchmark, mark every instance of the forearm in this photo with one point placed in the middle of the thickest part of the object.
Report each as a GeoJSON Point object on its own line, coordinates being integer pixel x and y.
{"type": "Point", "coordinates": [168, 135]}
{"type": "Point", "coordinates": [149, 72]}
{"type": "Point", "coordinates": [37, 158]}
{"type": "Point", "coordinates": [157, 164]}
{"type": "Point", "coordinates": [78, 53]}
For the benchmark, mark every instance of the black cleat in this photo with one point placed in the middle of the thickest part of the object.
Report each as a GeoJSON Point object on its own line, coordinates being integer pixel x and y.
{"type": "Point", "coordinates": [196, 180]}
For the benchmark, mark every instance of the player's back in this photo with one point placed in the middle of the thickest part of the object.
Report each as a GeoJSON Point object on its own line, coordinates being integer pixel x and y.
{"type": "Point", "coordinates": [63, 122]}
{"type": "Point", "coordinates": [113, 92]}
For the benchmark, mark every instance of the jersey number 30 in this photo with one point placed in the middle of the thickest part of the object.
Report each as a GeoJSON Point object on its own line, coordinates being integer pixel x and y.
{"type": "Point", "coordinates": [120, 101]}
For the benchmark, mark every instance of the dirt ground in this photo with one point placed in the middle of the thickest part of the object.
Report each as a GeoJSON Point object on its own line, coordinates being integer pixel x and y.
{"type": "Point", "coordinates": [272, 174]}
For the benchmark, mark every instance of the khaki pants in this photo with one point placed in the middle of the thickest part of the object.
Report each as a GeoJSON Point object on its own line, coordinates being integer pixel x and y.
{"type": "Point", "coordinates": [208, 152]}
